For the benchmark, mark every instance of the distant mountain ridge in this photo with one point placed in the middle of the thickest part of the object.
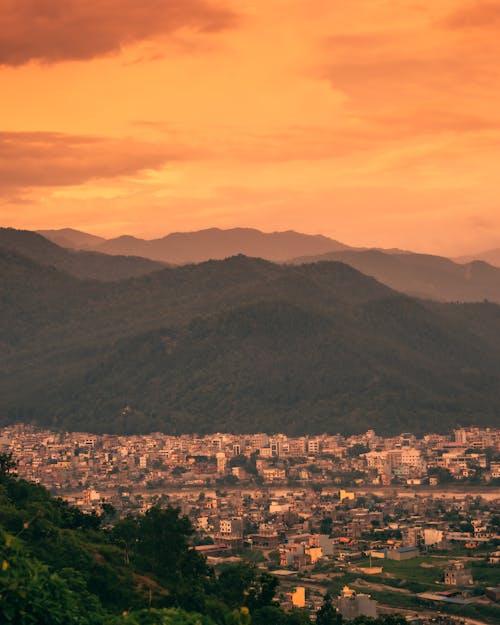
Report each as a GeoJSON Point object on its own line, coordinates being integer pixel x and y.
{"type": "Point", "coordinates": [210, 244]}
{"type": "Point", "coordinates": [71, 238]}
{"type": "Point", "coordinates": [82, 264]}
{"type": "Point", "coordinates": [489, 256]}
{"type": "Point", "coordinates": [422, 275]}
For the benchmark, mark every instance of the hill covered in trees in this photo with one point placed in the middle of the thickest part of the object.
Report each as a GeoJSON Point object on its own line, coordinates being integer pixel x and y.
{"type": "Point", "coordinates": [82, 264]}
{"type": "Point", "coordinates": [240, 345]}
{"type": "Point", "coordinates": [62, 566]}
{"type": "Point", "coordinates": [422, 275]}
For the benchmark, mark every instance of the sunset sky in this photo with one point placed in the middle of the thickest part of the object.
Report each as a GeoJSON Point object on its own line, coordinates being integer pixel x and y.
{"type": "Point", "coordinates": [376, 122]}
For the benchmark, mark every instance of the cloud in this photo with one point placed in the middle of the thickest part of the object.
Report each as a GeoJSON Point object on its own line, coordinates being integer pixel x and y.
{"type": "Point", "coordinates": [402, 78]}
{"type": "Point", "coordinates": [50, 31]}
{"type": "Point", "coordinates": [49, 159]}
{"type": "Point", "coordinates": [475, 15]}
{"type": "Point", "coordinates": [446, 81]}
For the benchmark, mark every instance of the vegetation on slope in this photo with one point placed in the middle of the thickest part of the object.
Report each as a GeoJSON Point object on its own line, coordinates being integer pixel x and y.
{"type": "Point", "coordinates": [240, 345]}
{"type": "Point", "coordinates": [422, 275]}
{"type": "Point", "coordinates": [59, 566]}
{"type": "Point", "coordinates": [82, 264]}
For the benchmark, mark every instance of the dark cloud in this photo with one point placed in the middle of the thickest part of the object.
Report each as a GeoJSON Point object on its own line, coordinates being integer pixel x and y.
{"type": "Point", "coordinates": [50, 31]}
{"type": "Point", "coordinates": [48, 159]}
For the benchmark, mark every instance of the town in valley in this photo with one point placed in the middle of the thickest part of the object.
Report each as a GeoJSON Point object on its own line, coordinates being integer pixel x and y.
{"type": "Point", "coordinates": [401, 524]}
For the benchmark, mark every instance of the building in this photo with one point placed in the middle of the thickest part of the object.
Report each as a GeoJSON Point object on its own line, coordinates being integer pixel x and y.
{"type": "Point", "coordinates": [457, 575]}
{"type": "Point", "coordinates": [273, 474]}
{"type": "Point", "coordinates": [433, 536]}
{"type": "Point", "coordinates": [221, 462]}
{"type": "Point", "coordinates": [298, 597]}
{"type": "Point", "coordinates": [266, 538]}
{"type": "Point", "coordinates": [313, 446]}
{"type": "Point", "coordinates": [345, 494]}
{"type": "Point", "coordinates": [403, 553]}
{"type": "Point", "coordinates": [352, 604]}
{"type": "Point", "coordinates": [231, 527]}
{"type": "Point", "coordinates": [493, 593]}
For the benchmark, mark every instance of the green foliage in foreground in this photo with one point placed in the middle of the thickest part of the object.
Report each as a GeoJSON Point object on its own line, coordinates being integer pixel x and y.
{"type": "Point", "coordinates": [167, 616]}
{"type": "Point", "coordinates": [58, 566]}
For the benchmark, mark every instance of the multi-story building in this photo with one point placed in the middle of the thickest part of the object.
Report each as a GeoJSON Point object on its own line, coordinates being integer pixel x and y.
{"type": "Point", "coordinates": [352, 604]}
{"type": "Point", "coordinates": [457, 575]}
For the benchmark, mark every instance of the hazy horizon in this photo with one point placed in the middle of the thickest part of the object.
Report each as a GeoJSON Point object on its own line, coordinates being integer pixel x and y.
{"type": "Point", "coordinates": [162, 234]}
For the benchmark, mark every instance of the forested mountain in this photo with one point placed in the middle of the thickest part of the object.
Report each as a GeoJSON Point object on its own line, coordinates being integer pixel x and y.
{"type": "Point", "coordinates": [240, 345]}
{"type": "Point", "coordinates": [78, 263]}
{"type": "Point", "coordinates": [213, 243]}
{"type": "Point", "coordinates": [422, 275]}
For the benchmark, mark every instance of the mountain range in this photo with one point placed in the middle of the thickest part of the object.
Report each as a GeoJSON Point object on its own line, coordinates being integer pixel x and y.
{"type": "Point", "coordinates": [420, 275]}
{"type": "Point", "coordinates": [194, 247]}
{"type": "Point", "coordinates": [240, 345]}
{"type": "Point", "coordinates": [213, 243]}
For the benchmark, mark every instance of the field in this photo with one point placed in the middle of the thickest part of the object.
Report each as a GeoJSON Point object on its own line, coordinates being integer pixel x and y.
{"type": "Point", "coordinates": [400, 583]}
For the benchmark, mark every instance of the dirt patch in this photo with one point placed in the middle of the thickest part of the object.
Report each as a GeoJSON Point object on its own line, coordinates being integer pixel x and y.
{"type": "Point", "coordinates": [381, 587]}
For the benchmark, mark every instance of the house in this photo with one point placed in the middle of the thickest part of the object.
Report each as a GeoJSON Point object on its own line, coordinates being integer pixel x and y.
{"type": "Point", "coordinates": [457, 575]}
{"type": "Point", "coordinates": [403, 553]}
{"type": "Point", "coordinates": [352, 604]}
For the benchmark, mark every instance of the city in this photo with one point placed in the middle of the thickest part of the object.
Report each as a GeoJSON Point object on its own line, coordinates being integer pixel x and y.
{"type": "Point", "coordinates": [401, 524]}
{"type": "Point", "coordinates": [249, 312]}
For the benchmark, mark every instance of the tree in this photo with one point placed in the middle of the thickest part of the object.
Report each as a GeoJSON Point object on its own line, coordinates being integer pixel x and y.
{"type": "Point", "coordinates": [234, 583]}
{"type": "Point", "coordinates": [357, 449]}
{"type": "Point", "coordinates": [443, 475]}
{"type": "Point", "coordinates": [125, 534]}
{"type": "Point", "coordinates": [326, 525]}
{"type": "Point", "coordinates": [262, 594]}
{"type": "Point", "coordinates": [327, 614]}
{"type": "Point", "coordinates": [162, 550]}
{"type": "Point", "coordinates": [31, 593]}
{"type": "Point", "coordinates": [166, 616]}
{"type": "Point", "coordinates": [177, 471]}
{"type": "Point", "coordinates": [7, 465]}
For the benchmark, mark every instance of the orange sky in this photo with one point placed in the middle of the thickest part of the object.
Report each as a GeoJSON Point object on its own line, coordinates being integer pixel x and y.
{"type": "Point", "coordinates": [376, 122]}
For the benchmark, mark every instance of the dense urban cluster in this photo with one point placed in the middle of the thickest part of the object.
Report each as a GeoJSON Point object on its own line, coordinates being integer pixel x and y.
{"type": "Point", "coordinates": [131, 472]}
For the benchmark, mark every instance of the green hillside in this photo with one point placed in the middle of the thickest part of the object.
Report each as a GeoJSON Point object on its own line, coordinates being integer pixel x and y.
{"type": "Point", "coordinates": [62, 566]}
